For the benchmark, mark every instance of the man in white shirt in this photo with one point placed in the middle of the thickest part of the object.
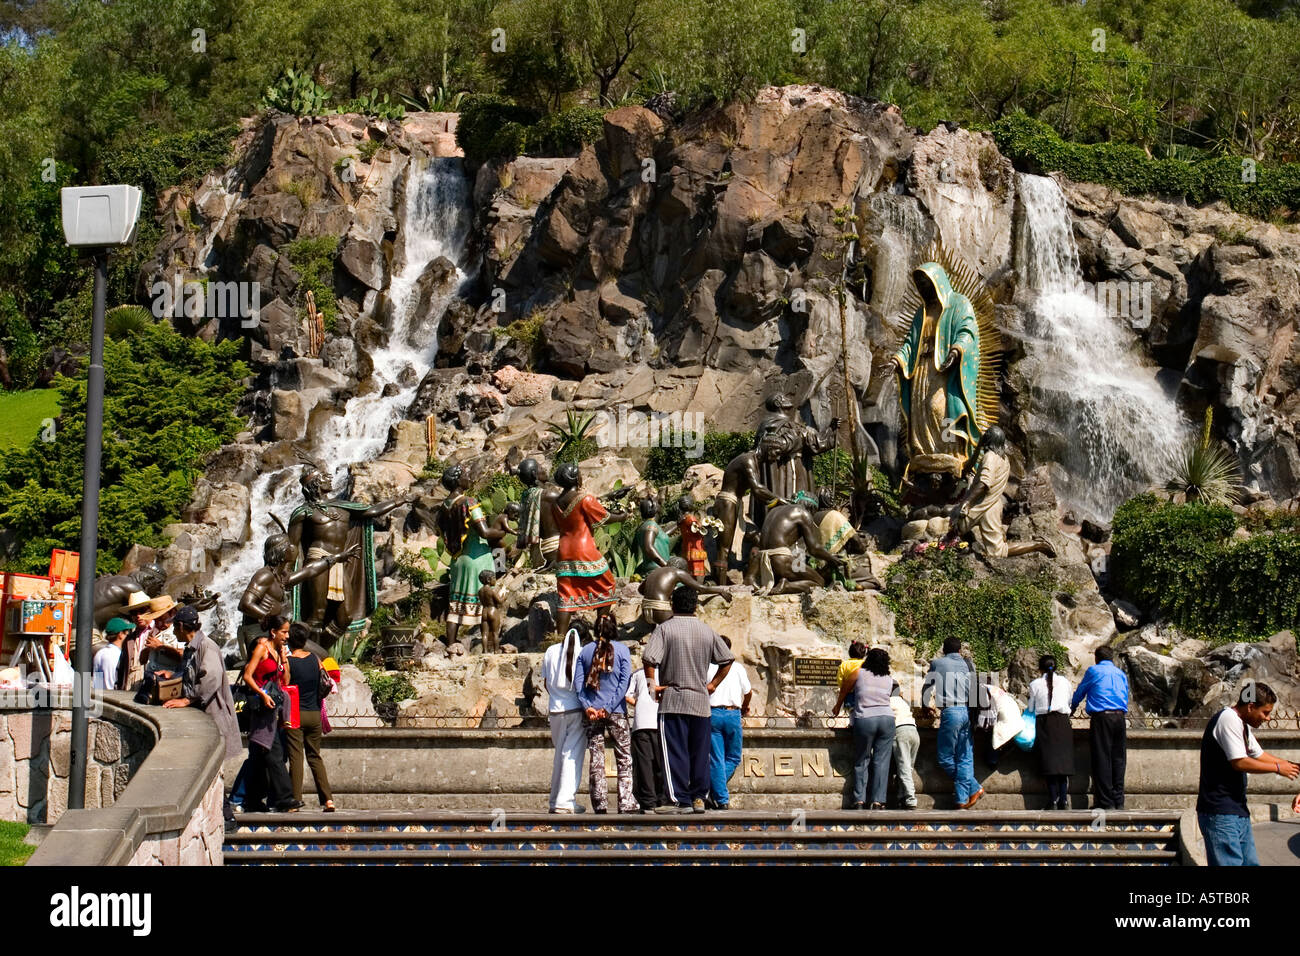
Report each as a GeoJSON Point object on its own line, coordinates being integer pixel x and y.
{"type": "Point", "coordinates": [109, 658]}
{"type": "Point", "coordinates": [647, 751]}
{"type": "Point", "coordinates": [729, 703]}
{"type": "Point", "coordinates": [1229, 751]}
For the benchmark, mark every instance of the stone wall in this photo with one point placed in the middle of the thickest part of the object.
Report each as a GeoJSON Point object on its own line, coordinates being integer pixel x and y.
{"type": "Point", "coordinates": [780, 768]}
{"type": "Point", "coordinates": [199, 844]}
{"type": "Point", "coordinates": [35, 758]}
{"type": "Point", "coordinates": [170, 811]}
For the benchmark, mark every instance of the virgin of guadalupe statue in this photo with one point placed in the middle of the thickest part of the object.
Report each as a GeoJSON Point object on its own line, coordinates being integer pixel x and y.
{"type": "Point", "coordinates": [946, 381]}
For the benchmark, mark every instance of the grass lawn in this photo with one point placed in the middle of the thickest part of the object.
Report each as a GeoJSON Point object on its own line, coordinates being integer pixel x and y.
{"type": "Point", "coordinates": [21, 414]}
{"type": "Point", "coordinates": [13, 851]}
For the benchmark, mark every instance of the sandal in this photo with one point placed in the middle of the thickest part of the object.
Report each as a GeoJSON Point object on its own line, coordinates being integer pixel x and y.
{"type": "Point", "coordinates": [329, 807]}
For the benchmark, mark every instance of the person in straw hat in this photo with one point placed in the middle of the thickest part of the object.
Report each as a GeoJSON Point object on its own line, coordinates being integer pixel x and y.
{"type": "Point", "coordinates": [161, 651]}
{"type": "Point", "coordinates": [131, 669]}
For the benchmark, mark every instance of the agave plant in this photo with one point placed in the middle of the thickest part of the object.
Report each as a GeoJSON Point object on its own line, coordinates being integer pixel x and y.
{"type": "Point", "coordinates": [440, 100]}
{"type": "Point", "coordinates": [573, 435]}
{"type": "Point", "coordinates": [1206, 472]}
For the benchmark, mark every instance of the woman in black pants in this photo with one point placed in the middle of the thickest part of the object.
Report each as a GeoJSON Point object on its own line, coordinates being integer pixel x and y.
{"type": "Point", "coordinates": [267, 779]}
{"type": "Point", "coordinates": [1049, 699]}
{"type": "Point", "coordinates": [313, 685]}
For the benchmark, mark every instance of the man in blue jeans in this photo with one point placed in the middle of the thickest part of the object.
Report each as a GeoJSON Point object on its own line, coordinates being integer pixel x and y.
{"type": "Point", "coordinates": [949, 681]}
{"type": "Point", "coordinates": [728, 704]}
{"type": "Point", "coordinates": [1229, 751]}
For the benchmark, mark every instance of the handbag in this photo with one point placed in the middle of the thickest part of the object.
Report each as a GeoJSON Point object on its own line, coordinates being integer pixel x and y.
{"type": "Point", "coordinates": [167, 688]}
{"type": "Point", "coordinates": [1029, 732]}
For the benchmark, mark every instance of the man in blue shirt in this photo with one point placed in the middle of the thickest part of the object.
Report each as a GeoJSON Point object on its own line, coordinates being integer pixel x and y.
{"type": "Point", "coordinates": [602, 676]}
{"type": "Point", "coordinates": [949, 682]}
{"type": "Point", "coordinates": [1105, 688]}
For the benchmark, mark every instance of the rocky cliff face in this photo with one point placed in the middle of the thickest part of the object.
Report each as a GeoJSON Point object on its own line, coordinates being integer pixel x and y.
{"type": "Point", "coordinates": [686, 268]}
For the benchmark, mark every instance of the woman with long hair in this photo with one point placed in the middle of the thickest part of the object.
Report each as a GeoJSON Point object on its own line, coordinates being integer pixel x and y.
{"type": "Point", "coordinates": [872, 719]}
{"type": "Point", "coordinates": [308, 675]}
{"type": "Point", "coordinates": [268, 667]}
{"type": "Point", "coordinates": [603, 674]}
{"type": "Point", "coordinates": [559, 674]}
{"type": "Point", "coordinates": [1049, 699]}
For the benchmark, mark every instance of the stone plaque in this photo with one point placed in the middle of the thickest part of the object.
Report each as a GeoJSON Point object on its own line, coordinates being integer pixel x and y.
{"type": "Point", "coordinates": [816, 671]}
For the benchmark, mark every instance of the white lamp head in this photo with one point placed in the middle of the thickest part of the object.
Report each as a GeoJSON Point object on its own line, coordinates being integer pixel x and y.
{"type": "Point", "coordinates": [100, 216]}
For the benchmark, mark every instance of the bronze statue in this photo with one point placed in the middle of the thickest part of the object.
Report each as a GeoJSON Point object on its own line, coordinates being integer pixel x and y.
{"type": "Point", "coordinates": [501, 522]}
{"type": "Point", "coordinates": [978, 512]}
{"type": "Point", "coordinates": [658, 586]}
{"type": "Point", "coordinates": [112, 590]}
{"type": "Point", "coordinates": [533, 519]}
{"type": "Point", "coordinates": [322, 527]}
{"type": "Point", "coordinates": [467, 535]}
{"type": "Point", "coordinates": [795, 445]}
{"type": "Point", "coordinates": [742, 476]}
{"type": "Point", "coordinates": [271, 586]}
{"type": "Point", "coordinates": [773, 567]}
{"type": "Point", "coordinates": [838, 534]}
{"type": "Point", "coordinates": [492, 600]}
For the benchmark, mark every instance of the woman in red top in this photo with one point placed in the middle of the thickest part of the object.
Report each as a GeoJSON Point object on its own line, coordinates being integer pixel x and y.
{"type": "Point", "coordinates": [267, 778]}
{"type": "Point", "coordinates": [697, 558]}
{"type": "Point", "coordinates": [583, 578]}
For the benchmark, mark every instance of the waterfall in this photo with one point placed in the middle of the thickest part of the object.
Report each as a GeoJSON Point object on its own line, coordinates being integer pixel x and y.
{"type": "Point", "coordinates": [436, 225]}
{"type": "Point", "coordinates": [1095, 407]}
{"type": "Point", "coordinates": [438, 222]}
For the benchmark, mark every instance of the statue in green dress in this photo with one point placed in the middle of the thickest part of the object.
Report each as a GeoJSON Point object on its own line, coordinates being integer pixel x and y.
{"type": "Point", "coordinates": [651, 545]}
{"type": "Point", "coordinates": [938, 375]}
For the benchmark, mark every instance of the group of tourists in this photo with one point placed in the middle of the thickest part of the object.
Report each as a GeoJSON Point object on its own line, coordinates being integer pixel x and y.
{"type": "Point", "coordinates": [158, 649]}
{"type": "Point", "coordinates": [885, 732]}
{"type": "Point", "coordinates": [683, 741]}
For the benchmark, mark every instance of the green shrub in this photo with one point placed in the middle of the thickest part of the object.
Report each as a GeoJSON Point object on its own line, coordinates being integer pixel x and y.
{"type": "Point", "coordinates": [1128, 168]}
{"type": "Point", "coordinates": [933, 597]}
{"type": "Point", "coordinates": [388, 688]}
{"type": "Point", "coordinates": [665, 466]}
{"type": "Point", "coordinates": [559, 134]}
{"type": "Point", "coordinates": [314, 261]}
{"type": "Point", "coordinates": [1181, 561]}
{"type": "Point", "coordinates": [494, 128]}
{"type": "Point", "coordinates": [482, 130]}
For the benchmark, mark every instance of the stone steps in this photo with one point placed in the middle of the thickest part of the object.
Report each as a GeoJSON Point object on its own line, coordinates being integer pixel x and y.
{"type": "Point", "coordinates": [733, 837]}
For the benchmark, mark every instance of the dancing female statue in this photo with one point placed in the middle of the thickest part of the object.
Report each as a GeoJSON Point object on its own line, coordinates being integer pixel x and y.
{"type": "Point", "coordinates": [582, 576]}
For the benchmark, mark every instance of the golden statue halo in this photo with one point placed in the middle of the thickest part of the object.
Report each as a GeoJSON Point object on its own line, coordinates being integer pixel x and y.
{"type": "Point", "coordinates": [966, 281]}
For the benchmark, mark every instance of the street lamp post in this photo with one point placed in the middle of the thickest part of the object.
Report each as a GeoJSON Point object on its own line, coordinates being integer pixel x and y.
{"type": "Point", "coordinates": [97, 218]}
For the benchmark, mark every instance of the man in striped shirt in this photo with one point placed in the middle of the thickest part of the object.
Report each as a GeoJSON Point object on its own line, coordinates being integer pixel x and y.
{"type": "Point", "coordinates": [677, 661]}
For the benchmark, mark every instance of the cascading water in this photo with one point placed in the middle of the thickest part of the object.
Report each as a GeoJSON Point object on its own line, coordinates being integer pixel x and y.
{"type": "Point", "coordinates": [1102, 413]}
{"type": "Point", "coordinates": [437, 223]}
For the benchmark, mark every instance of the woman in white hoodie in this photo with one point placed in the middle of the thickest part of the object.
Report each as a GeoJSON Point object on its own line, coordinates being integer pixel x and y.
{"type": "Point", "coordinates": [567, 730]}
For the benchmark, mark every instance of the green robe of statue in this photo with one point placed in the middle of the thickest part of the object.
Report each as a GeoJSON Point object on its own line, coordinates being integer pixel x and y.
{"type": "Point", "coordinates": [939, 406]}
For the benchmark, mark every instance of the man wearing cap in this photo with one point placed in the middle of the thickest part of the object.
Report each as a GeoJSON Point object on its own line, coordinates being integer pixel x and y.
{"type": "Point", "coordinates": [204, 685]}
{"type": "Point", "coordinates": [109, 658]}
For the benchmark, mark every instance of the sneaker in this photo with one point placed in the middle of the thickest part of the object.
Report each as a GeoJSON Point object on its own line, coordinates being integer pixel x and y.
{"type": "Point", "coordinates": [697, 805]}
{"type": "Point", "coordinates": [561, 810]}
{"type": "Point", "coordinates": [672, 808]}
